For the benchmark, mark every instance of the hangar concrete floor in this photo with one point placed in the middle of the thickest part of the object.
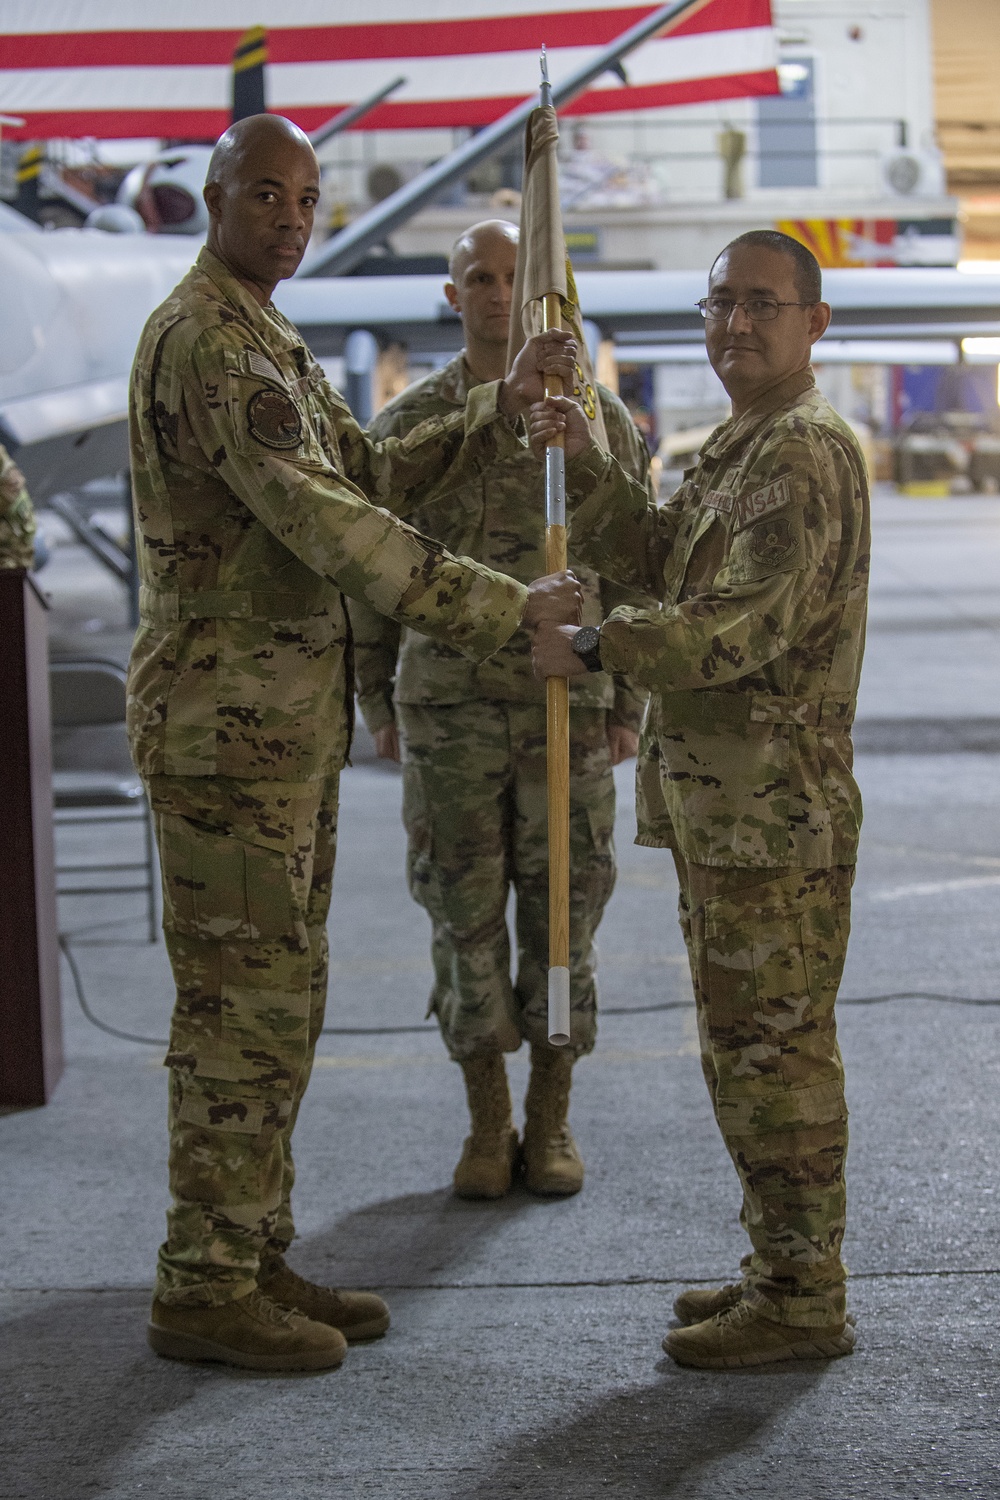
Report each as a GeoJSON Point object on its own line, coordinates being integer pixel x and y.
{"type": "Point", "coordinates": [524, 1356]}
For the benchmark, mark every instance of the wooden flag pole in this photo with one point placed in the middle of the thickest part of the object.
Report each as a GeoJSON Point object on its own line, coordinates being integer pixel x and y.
{"type": "Point", "coordinates": [557, 726]}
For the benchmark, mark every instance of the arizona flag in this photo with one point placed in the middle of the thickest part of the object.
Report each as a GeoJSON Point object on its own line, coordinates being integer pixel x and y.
{"type": "Point", "coordinates": [99, 68]}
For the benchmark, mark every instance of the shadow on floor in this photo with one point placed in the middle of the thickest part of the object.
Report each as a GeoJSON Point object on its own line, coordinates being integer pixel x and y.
{"type": "Point", "coordinates": [409, 1241]}
{"type": "Point", "coordinates": [656, 1440]}
{"type": "Point", "coordinates": [79, 1390]}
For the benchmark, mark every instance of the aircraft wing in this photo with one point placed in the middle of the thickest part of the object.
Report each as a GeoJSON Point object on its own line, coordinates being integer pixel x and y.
{"type": "Point", "coordinates": [75, 302]}
{"type": "Point", "coordinates": [647, 307]}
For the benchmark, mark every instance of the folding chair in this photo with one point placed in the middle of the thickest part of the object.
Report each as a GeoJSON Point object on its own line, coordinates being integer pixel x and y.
{"type": "Point", "coordinates": [87, 694]}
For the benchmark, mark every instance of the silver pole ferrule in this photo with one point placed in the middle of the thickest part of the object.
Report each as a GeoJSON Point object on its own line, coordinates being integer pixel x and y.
{"type": "Point", "coordinates": [555, 487]}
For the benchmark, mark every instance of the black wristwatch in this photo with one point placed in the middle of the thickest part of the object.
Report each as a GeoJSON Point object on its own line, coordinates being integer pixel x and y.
{"type": "Point", "coordinates": [587, 645]}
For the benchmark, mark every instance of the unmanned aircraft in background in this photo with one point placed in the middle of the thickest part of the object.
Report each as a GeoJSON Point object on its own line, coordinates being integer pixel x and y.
{"type": "Point", "coordinates": [75, 300]}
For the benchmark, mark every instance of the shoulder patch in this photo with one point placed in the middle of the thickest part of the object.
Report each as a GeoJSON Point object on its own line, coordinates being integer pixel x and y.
{"type": "Point", "coordinates": [760, 503]}
{"type": "Point", "coordinates": [273, 419]}
{"type": "Point", "coordinates": [777, 544]}
{"type": "Point", "coordinates": [259, 364]}
{"type": "Point", "coordinates": [772, 542]}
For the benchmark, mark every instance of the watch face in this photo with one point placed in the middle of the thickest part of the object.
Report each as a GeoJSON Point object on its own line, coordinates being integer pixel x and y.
{"type": "Point", "coordinates": [587, 638]}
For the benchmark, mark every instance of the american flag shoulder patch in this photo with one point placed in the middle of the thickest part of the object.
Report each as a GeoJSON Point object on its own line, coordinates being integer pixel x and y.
{"type": "Point", "coordinates": [258, 364]}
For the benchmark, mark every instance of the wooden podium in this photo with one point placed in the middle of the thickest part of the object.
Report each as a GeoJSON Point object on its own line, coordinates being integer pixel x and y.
{"type": "Point", "coordinates": [31, 1055]}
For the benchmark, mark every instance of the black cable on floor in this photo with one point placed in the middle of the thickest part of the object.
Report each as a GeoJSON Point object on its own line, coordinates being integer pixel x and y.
{"type": "Point", "coordinates": [125, 1036]}
{"type": "Point", "coordinates": [611, 1010]}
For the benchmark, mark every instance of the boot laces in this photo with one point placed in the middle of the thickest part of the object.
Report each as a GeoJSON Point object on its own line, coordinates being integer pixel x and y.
{"type": "Point", "coordinates": [295, 1286]}
{"type": "Point", "coordinates": [735, 1316]}
{"type": "Point", "coordinates": [560, 1140]}
{"type": "Point", "coordinates": [272, 1312]}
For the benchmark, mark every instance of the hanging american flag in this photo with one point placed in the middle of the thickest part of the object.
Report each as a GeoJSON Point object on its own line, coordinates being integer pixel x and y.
{"type": "Point", "coordinates": [97, 67]}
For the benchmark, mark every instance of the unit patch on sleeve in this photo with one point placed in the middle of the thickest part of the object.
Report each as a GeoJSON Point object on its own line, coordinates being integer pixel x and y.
{"type": "Point", "coordinates": [274, 420]}
{"type": "Point", "coordinates": [772, 542]}
{"type": "Point", "coordinates": [760, 503]}
{"type": "Point", "coordinates": [775, 545]}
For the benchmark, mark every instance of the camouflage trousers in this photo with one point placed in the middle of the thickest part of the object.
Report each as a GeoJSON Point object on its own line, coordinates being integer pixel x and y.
{"type": "Point", "coordinates": [247, 870]}
{"type": "Point", "coordinates": [475, 809]}
{"type": "Point", "coordinates": [767, 952]}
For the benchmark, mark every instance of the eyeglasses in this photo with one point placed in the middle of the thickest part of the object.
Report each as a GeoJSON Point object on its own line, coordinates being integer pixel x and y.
{"type": "Point", "coordinates": [757, 309]}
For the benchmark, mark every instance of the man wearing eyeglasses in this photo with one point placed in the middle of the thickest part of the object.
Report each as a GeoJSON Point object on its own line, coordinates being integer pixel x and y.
{"type": "Point", "coordinates": [761, 560]}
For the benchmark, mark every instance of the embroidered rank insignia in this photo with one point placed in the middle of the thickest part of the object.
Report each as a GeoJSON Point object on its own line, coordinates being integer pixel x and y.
{"type": "Point", "coordinates": [273, 419]}
{"type": "Point", "coordinates": [762, 502]}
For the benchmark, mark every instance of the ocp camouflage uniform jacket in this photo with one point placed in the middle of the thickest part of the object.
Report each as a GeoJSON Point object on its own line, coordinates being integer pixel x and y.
{"type": "Point", "coordinates": [498, 518]}
{"type": "Point", "coordinates": [251, 485]}
{"type": "Point", "coordinates": [761, 558]}
{"type": "Point", "coordinates": [17, 518]}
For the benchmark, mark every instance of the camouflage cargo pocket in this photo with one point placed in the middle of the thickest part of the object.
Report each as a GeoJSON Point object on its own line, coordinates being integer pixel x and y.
{"type": "Point", "coordinates": [594, 866]}
{"type": "Point", "coordinates": [213, 1111]}
{"type": "Point", "coordinates": [421, 872]}
{"type": "Point", "coordinates": [775, 954]}
{"type": "Point", "coordinates": [215, 886]}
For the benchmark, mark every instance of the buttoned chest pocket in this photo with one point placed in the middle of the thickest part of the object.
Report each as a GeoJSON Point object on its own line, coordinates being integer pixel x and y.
{"type": "Point", "coordinates": [513, 518]}
{"type": "Point", "coordinates": [324, 431]}
{"type": "Point", "coordinates": [325, 408]}
{"type": "Point", "coordinates": [702, 510]}
{"type": "Point", "coordinates": [683, 500]}
{"type": "Point", "coordinates": [455, 519]}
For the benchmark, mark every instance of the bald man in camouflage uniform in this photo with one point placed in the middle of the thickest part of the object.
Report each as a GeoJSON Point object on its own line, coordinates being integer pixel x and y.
{"type": "Point", "coordinates": [474, 741]}
{"type": "Point", "coordinates": [761, 559]}
{"type": "Point", "coordinates": [17, 517]}
{"type": "Point", "coordinates": [250, 481]}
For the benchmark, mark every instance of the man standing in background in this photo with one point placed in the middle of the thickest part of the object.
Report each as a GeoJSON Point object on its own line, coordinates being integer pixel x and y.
{"type": "Point", "coordinates": [472, 738]}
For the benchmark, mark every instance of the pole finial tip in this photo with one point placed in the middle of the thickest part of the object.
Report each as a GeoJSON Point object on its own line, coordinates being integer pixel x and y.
{"type": "Point", "coordinates": [546, 89]}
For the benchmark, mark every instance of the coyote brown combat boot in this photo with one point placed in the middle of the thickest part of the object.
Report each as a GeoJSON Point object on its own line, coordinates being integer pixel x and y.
{"type": "Point", "coordinates": [742, 1336]}
{"type": "Point", "coordinates": [252, 1333]}
{"type": "Point", "coordinates": [553, 1167]}
{"type": "Point", "coordinates": [702, 1302]}
{"type": "Point", "coordinates": [486, 1168]}
{"type": "Point", "coordinates": [358, 1315]}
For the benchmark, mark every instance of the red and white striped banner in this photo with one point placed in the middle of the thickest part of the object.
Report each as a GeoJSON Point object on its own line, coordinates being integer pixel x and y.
{"type": "Point", "coordinates": [96, 68]}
